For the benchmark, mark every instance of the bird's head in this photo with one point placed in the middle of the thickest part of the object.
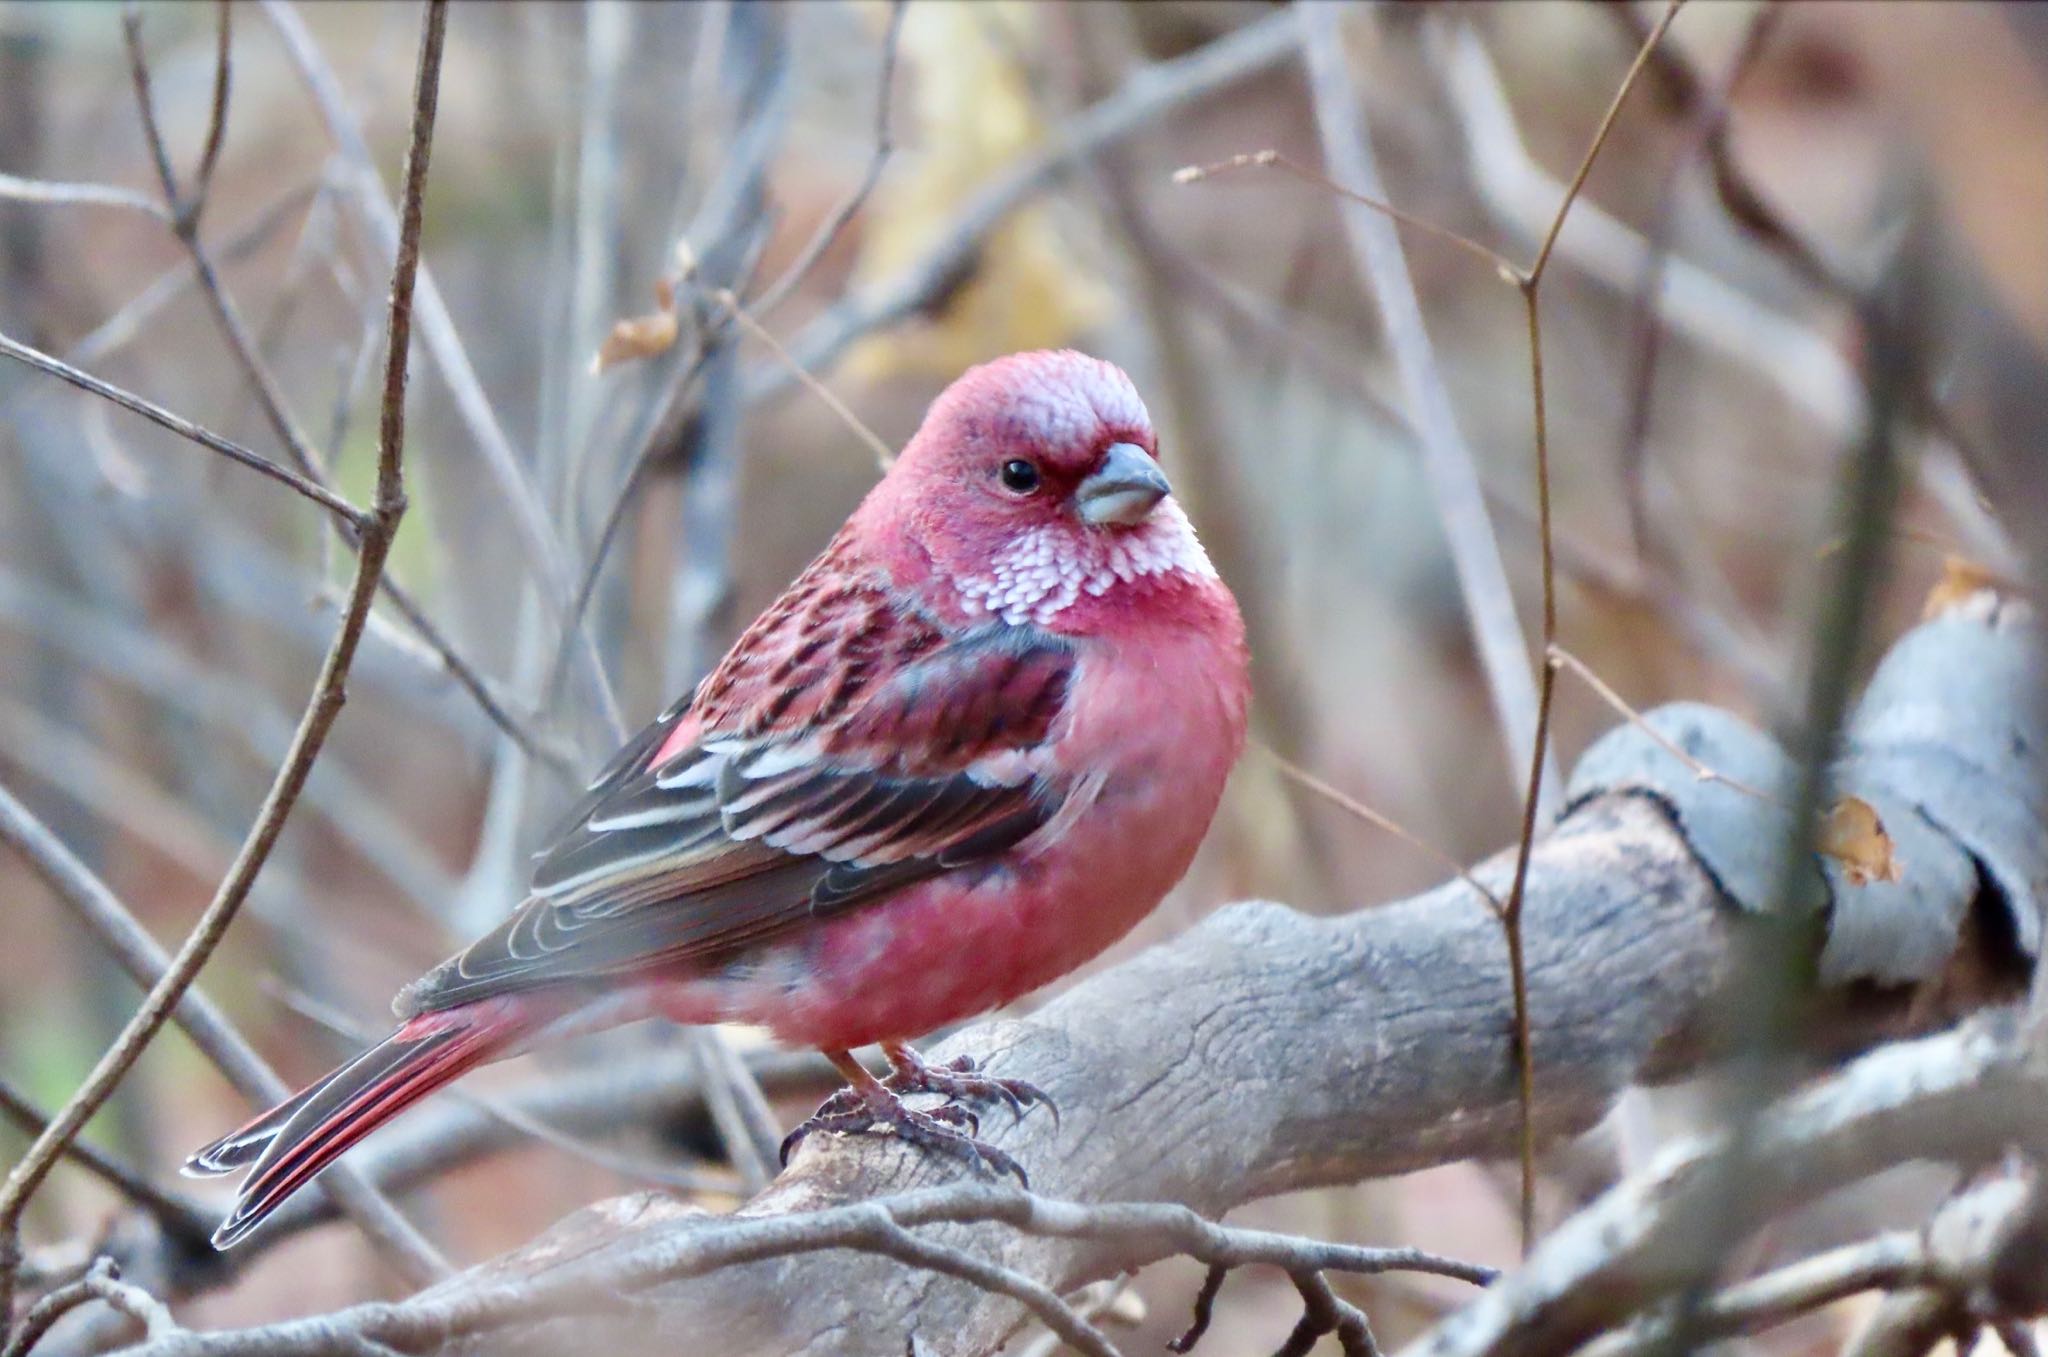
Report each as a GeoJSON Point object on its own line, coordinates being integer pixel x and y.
{"type": "Point", "coordinates": [1034, 485]}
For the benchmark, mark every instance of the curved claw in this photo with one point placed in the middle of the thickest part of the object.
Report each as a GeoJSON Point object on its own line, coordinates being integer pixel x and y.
{"type": "Point", "coordinates": [961, 1079]}
{"type": "Point", "coordinates": [950, 1129]}
{"type": "Point", "coordinates": [955, 1115]}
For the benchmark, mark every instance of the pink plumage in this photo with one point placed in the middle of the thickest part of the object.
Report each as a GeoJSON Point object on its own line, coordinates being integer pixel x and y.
{"type": "Point", "coordinates": [971, 745]}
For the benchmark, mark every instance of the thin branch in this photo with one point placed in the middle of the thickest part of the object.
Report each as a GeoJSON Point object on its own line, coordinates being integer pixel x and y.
{"type": "Point", "coordinates": [1447, 461]}
{"type": "Point", "coordinates": [1531, 283]}
{"type": "Point", "coordinates": [443, 344]}
{"type": "Point", "coordinates": [472, 681]}
{"type": "Point", "coordinates": [53, 193]}
{"type": "Point", "coordinates": [1326, 1312]}
{"type": "Point", "coordinates": [1525, 715]}
{"type": "Point", "coordinates": [1140, 1231]}
{"type": "Point", "coordinates": [1646, 331]}
{"type": "Point", "coordinates": [185, 428]}
{"type": "Point", "coordinates": [893, 1240]}
{"type": "Point", "coordinates": [1294, 772]}
{"type": "Point", "coordinates": [1508, 270]}
{"type": "Point", "coordinates": [1149, 95]}
{"type": "Point", "coordinates": [217, 116]}
{"type": "Point", "coordinates": [180, 1216]}
{"type": "Point", "coordinates": [321, 711]}
{"type": "Point", "coordinates": [728, 303]}
{"type": "Point", "coordinates": [145, 104]}
{"type": "Point", "coordinates": [1205, 1310]}
{"type": "Point", "coordinates": [311, 463]}
{"type": "Point", "coordinates": [1460, 497]}
{"type": "Point", "coordinates": [102, 1282]}
{"type": "Point", "coordinates": [1887, 1262]}
{"type": "Point", "coordinates": [126, 322]}
{"type": "Point", "coordinates": [885, 144]}
{"type": "Point", "coordinates": [1605, 693]}
{"type": "Point", "coordinates": [145, 962]}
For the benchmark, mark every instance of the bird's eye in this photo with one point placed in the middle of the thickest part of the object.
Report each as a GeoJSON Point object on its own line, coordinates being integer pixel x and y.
{"type": "Point", "coordinates": [1019, 476]}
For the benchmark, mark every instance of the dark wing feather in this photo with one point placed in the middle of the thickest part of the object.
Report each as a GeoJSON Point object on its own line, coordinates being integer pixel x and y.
{"type": "Point", "coordinates": [787, 804]}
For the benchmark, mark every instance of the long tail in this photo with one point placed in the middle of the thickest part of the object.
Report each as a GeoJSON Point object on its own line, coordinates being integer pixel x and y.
{"type": "Point", "coordinates": [292, 1142]}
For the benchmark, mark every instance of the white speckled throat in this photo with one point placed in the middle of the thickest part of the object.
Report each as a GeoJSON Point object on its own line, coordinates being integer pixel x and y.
{"type": "Point", "coordinates": [1044, 570]}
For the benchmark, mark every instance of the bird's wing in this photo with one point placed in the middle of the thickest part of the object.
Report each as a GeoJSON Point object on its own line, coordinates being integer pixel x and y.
{"type": "Point", "coordinates": [843, 750]}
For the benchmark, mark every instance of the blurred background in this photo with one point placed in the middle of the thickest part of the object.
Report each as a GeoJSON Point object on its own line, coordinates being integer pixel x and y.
{"type": "Point", "coordinates": [162, 611]}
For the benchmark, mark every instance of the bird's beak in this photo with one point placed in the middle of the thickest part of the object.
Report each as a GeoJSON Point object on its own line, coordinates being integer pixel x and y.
{"type": "Point", "coordinates": [1126, 487]}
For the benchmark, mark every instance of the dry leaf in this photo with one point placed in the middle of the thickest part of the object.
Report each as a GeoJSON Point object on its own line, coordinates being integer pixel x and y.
{"type": "Point", "coordinates": [641, 336]}
{"type": "Point", "coordinates": [1853, 835]}
{"type": "Point", "coordinates": [637, 337]}
{"type": "Point", "coordinates": [1961, 580]}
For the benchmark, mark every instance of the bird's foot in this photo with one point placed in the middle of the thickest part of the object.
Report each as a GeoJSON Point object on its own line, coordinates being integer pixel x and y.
{"type": "Point", "coordinates": [949, 1130]}
{"type": "Point", "coordinates": [961, 1080]}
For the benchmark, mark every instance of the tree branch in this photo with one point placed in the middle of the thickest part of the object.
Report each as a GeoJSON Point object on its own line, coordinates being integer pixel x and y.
{"type": "Point", "coordinates": [1288, 1052]}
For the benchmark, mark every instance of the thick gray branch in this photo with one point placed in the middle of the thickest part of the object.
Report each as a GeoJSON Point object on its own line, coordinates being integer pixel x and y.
{"type": "Point", "coordinates": [1266, 1051]}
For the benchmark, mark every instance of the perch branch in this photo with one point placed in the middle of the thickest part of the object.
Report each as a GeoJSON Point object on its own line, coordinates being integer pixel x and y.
{"type": "Point", "coordinates": [1308, 1051]}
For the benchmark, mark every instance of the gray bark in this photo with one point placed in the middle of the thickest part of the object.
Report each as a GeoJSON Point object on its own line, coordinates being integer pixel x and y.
{"type": "Point", "coordinates": [1266, 1050]}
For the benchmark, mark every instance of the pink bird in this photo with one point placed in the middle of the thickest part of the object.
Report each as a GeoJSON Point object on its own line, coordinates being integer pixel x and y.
{"type": "Point", "coordinates": [976, 741]}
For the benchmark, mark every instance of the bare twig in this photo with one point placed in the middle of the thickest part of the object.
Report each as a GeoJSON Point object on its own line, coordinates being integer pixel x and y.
{"type": "Point", "coordinates": [217, 115]}
{"type": "Point", "coordinates": [1525, 716]}
{"type": "Point", "coordinates": [1149, 95]}
{"type": "Point", "coordinates": [126, 322]}
{"type": "Point", "coordinates": [443, 344]}
{"type": "Point", "coordinates": [783, 287]}
{"type": "Point", "coordinates": [480, 689]}
{"type": "Point", "coordinates": [1352, 806]}
{"type": "Point", "coordinates": [185, 428]}
{"type": "Point", "coordinates": [179, 1216]}
{"type": "Point", "coordinates": [102, 1282]}
{"type": "Point", "coordinates": [311, 463]}
{"type": "Point", "coordinates": [1897, 1259]}
{"type": "Point", "coordinates": [146, 963]}
{"type": "Point", "coordinates": [241, 712]}
{"type": "Point", "coordinates": [1710, 128]}
{"type": "Point", "coordinates": [1508, 270]}
{"type": "Point", "coordinates": [1205, 1310]}
{"type": "Point", "coordinates": [51, 193]}
{"type": "Point", "coordinates": [1447, 459]}
{"type": "Point", "coordinates": [1323, 1311]}
{"type": "Point", "coordinates": [377, 533]}
{"type": "Point", "coordinates": [1531, 283]}
{"type": "Point", "coordinates": [884, 454]}
{"type": "Point", "coordinates": [1805, 367]}
{"type": "Point", "coordinates": [1605, 692]}
{"type": "Point", "coordinates": [1141, 1230]}
{"type": "Point", "coordinates": [892, 1239]}
{"type": "Point", "coordinates": [184, 210]}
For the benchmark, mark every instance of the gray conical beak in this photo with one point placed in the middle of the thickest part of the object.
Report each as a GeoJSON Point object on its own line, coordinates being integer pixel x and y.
{"type": "Point", "coordinates": [1124, 489]}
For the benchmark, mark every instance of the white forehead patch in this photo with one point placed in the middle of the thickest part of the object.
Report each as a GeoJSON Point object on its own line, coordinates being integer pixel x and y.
{"type": "Point", "coordinates": [1070, 399]}
{"type": "Point", "coordinates": [1044, 570]}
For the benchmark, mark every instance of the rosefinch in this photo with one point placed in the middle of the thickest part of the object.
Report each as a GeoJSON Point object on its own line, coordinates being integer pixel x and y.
{"type": "Point", "coordinates": [975, 742]}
